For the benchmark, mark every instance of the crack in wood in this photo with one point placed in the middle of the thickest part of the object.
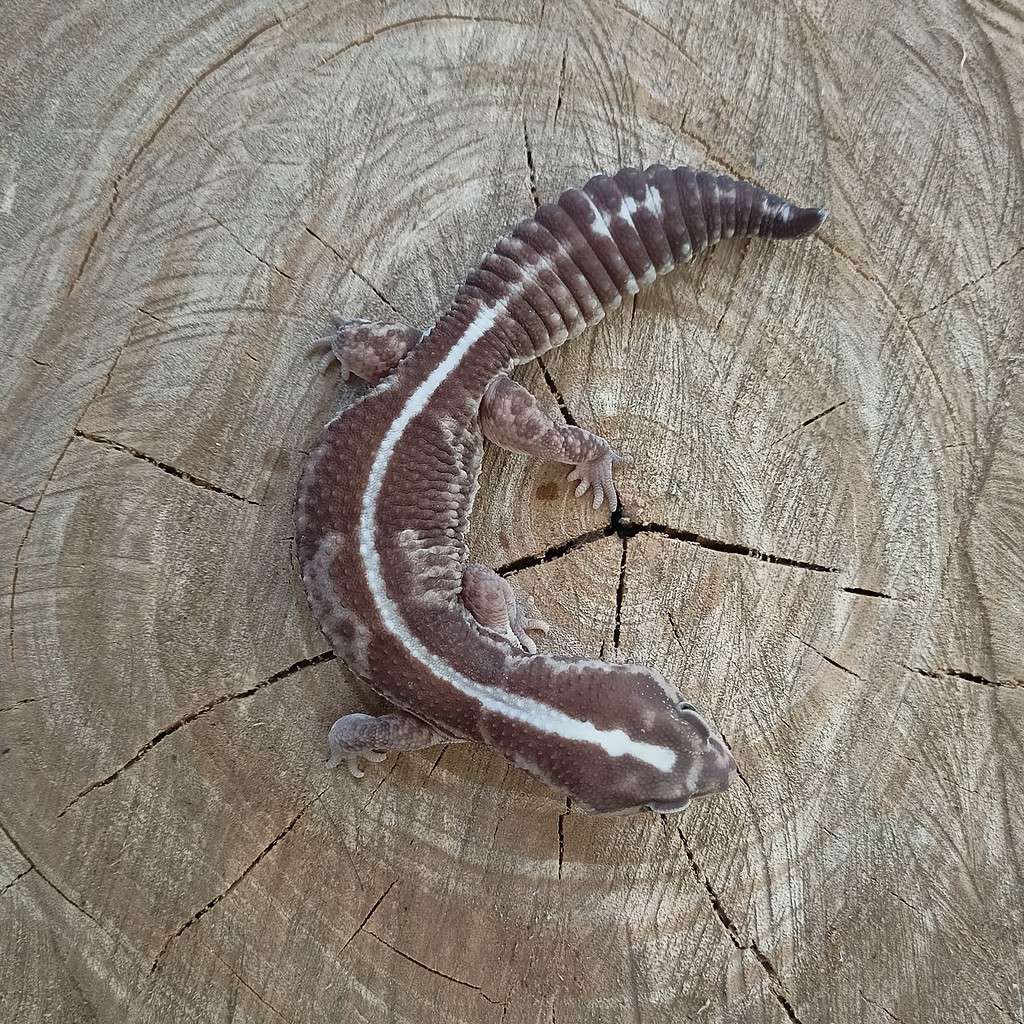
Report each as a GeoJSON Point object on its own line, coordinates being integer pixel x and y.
{"type": "Point", "coordinates": [17, 878]}
{"type": "Point", "coordinates": [14, 504]}
{"type": "Point", "coordinates": [730, 929]}
{"type": "Point", "coordinates": [19, 703]}
{"type": "Point", "coordinates": [620, 590]}
{"type": "Point", "coordinates": [561, 84]}
{"type": "Point", "coordinates": [862, 592]}
{"type": "Point", "coordinates": [178, 474]}
{"type": "Point", "coordinates": [969, 284]}
{"type": "Point", "coordinates": [47, 880]}
{"type": "Point", "coordinates": [620, 526]}
{"type": "Point", "coordinates": [194, 716]}
{"type": "Point", "coordinates": [561, 835]}
{"type": "Point", "coordinates": [440, 974]}
{"type": "Point", "coordinates": [241, 245]}
{"type": "Point", "coordinates": [203, 911]}
{"type": "Point", "coordinates": [362, 924]}
{"type": "Point", "coordinates": [556, 392]}
{"type": "Point", "coordinates": [968, 677]}
{"type": "Point", "coordinates": [273, 1009]}
{"type": "Point", "coordinates": [529, 163]}
{"type": "Point", "coordinates": [807, 422]}
{"type": "Point", "coordinates": [825, 657]}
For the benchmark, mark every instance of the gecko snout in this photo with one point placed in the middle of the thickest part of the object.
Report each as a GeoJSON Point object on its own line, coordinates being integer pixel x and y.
{"type": "Point", "coordinates": [707, 766]}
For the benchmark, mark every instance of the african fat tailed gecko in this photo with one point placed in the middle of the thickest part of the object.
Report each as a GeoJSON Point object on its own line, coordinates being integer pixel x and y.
{"type": "Point", "coordinates": [384, 498]}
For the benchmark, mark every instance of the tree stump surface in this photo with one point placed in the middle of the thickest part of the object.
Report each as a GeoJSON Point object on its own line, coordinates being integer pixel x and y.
{"type": "Point", "coordinates": [822, 539]}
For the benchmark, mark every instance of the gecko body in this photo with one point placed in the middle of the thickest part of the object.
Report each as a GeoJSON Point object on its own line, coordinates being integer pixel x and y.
{"type": "Point", "coordinates": [385, 495]}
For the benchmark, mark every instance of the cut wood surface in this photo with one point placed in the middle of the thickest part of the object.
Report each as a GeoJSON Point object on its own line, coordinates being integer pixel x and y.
{"type": "Point", "coordinates": [822, 539]}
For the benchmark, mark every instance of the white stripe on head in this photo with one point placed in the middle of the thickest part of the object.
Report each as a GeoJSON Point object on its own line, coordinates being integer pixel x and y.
{"type": "Point", "coordinates": [534, 713]}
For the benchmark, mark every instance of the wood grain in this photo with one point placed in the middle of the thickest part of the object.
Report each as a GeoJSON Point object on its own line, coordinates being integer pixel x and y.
{"type": "Point", "coordinates": [821, 539]}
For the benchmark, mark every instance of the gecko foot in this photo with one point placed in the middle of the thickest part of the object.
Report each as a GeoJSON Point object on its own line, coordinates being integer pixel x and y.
{"type": "Point", "coordinates": [368, 349]}
{"type": "Point", "coordinates": [596, 476]}
{"type": "Point", "coordinates": [494, 603]}
{"type": "Point", "coordinates": [356, 738]}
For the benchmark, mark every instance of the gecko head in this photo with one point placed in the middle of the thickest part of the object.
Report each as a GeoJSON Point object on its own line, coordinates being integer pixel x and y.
{"type": "Point", "coordinates": [703, 763]}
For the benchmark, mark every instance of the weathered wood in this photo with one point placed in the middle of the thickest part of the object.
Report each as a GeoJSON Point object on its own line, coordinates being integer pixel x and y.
{"type": "Point", "coordinates": [822, 539]}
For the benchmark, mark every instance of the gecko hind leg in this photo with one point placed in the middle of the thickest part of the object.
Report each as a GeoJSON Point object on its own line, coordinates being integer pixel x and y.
{"type": "Point", "coordinates": [494, 603]}
{"type": "Point", "coordinates": [369, 349]}
{"type": "Point", "coordinates": [511, 417]}
{"type": "Point", "coordinates": [358, 737]}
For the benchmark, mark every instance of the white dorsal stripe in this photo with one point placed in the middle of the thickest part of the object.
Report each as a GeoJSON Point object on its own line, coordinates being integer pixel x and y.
{"type": "Point", "coordinates": [540, 716]}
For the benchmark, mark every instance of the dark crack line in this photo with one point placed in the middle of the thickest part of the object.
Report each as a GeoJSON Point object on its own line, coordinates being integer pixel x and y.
{"type": "Point", "coordinates": [968, 677]}
{"type": "Point", "coordinates": [203, 911]}
{"type": "Point", "coordinates": [14, 504]}
{"type": "Point", "coordinates": [529, 163]}
{"type": "Point", "coordinates": [433, 767]}
{"type": "Point", "coordinates": [555, 552]}
{"type": "Point", "coordinates": [366, 920]}
{"type": "Point", "coordinates": [739, 770]}
{"type": "Point", "coordinates": [194, 716]}
{"type": "Point", "coordinates": [439, 974]}
{"type": "Point", "coordinates": [970, 284]}
{"type": "Point", "coordinates": [53, 885]}
{"type": "Point", "coordinates": [327, 245]}
{"type": "Point", "coordinates": [620, 593]}
{"type": "Point", "coordinates": [119, 179]}
{"type": "Point", "coordinates": [351, 268]}
{"type": "Point", "coordinates": [561, 83]}
{"type": "Point", "coordinates": [774, 980]}
{"type": "Point", "coordinates": [273, 1009]}
{"type": "Point", "coordinates": [19, 703]}
{"type": "Point", "coordinates": [384, 778]}
{"type": "Point", "coordinates": [825, 657]}
{"type": "Point", "coordinates": [561, 835]}
{"type": "Point", "coordinates": [178, 474]}
{"type": "Point", "coordinates": [241, 245]}
{"type": "Point", "coordinates": [556, 392]}
{"type": "Point", "coordinates": [17, 878]}
{"type": "Point", "coordinates": [627, 529]}
{"type": "Point", "coordinates": [862, 592]}
{"type": "Point", "coordinates": [376, 291]}
{"type": "Point", "coordinates": [879, 1006]}
{"type": "Point", "coordinates": [809, 421]}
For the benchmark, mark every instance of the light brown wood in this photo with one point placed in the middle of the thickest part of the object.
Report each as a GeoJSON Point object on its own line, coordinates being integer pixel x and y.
{"type": "Point", "coordinates": [822, 541]}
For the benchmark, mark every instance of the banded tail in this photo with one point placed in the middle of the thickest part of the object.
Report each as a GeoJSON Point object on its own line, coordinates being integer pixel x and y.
{"type": "Point", "coordinates": [563, 269]}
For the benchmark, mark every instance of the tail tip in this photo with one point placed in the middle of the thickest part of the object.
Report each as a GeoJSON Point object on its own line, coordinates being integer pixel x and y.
{"type": "Point", "coordinates": [802, 220]}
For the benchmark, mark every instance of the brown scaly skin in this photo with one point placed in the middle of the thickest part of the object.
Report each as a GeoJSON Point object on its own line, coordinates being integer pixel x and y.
{"type": "Point", "coordinates": [385, 496]}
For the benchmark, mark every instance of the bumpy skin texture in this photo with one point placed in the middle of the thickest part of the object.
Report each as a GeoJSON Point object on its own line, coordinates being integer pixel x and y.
{"type": "Point", "coordinates": [385, 496]}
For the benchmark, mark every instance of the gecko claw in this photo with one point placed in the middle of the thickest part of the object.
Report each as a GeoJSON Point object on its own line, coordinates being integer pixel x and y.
{"type": "Point", "coordinates": [597, 475]}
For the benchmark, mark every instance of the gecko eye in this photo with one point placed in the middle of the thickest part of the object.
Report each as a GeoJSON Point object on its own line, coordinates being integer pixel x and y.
{"type": "Point", "coordinates": [684, 706]}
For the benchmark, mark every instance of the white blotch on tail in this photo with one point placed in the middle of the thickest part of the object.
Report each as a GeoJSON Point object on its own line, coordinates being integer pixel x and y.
{"type": "Point", "coordinates": [652, 201]}
{"type": "Point", "coordinates": [534, 713]}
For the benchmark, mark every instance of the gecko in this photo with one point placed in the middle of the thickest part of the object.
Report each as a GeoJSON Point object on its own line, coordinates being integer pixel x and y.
{"type": "Point", "coordinates": [385, 494]}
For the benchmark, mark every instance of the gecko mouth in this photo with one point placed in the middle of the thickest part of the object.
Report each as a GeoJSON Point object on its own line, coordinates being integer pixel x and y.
{"type": "Point", "coordinates": [667, 806]}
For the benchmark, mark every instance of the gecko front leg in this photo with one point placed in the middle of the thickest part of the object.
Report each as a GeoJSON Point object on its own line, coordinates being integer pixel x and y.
{"type": "Point", "coordinates": [358, 737]}
{"type": "Point", "coordinates": [511, 417]}
{"type": "Point", "coordinates": [493, 602]}
{"type": "Point", "coordinates": [369, 349]}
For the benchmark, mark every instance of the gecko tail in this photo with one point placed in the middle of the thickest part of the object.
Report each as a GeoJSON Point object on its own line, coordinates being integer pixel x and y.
{"type": "Point", "coordinates": [579, 257]}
